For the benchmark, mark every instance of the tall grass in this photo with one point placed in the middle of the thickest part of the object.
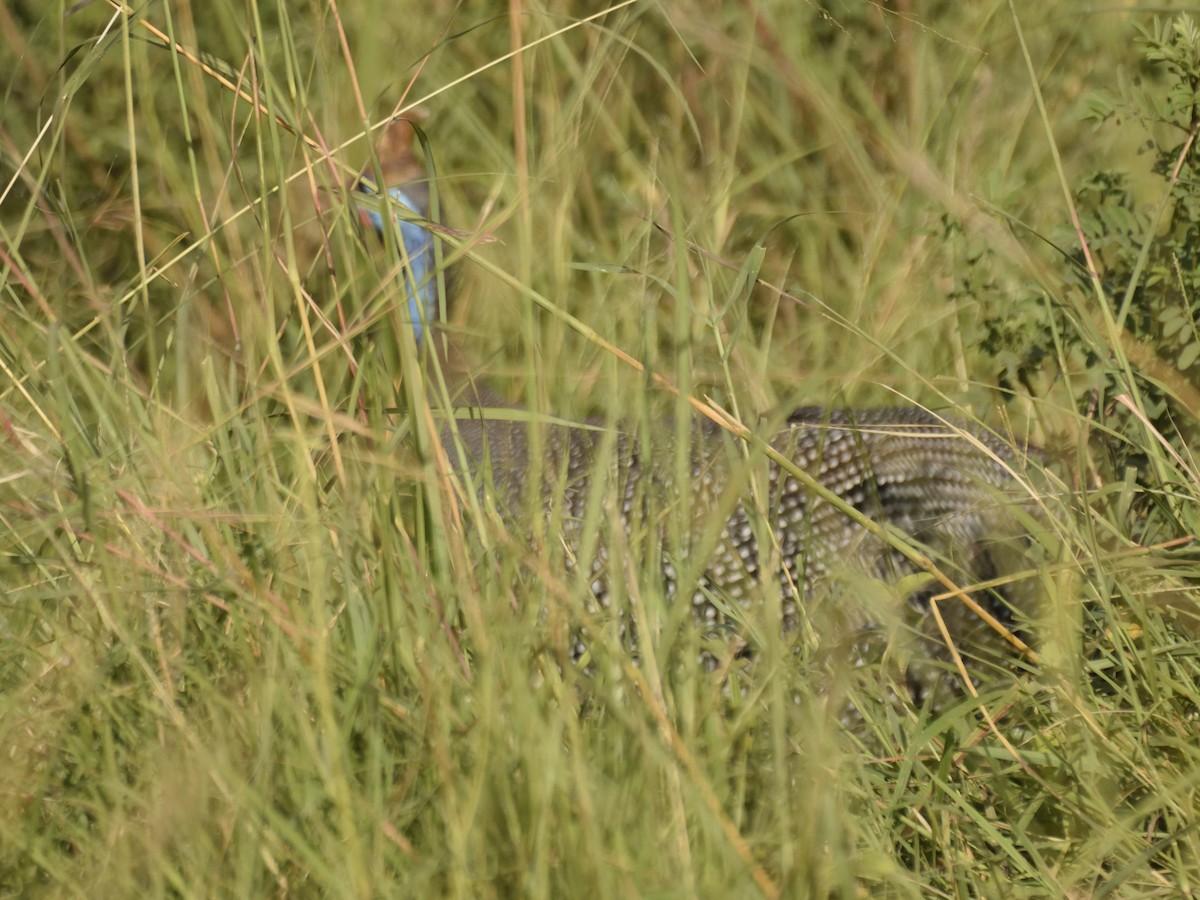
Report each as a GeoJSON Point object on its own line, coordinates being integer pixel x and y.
{"type": "Point", "coordinates": [251, 646]}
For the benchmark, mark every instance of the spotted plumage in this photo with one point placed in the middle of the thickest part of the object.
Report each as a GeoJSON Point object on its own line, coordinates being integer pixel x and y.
{"type": "Point", "coordinates": [948, 487]}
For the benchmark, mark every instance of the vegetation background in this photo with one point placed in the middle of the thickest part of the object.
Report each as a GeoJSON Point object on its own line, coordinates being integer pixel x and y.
{"type": "Point", "coordinates": [234, 659]}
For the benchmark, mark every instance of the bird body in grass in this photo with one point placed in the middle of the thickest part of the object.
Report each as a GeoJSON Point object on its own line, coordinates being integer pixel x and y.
{"type": "Point", "coordinates": [839, 488]}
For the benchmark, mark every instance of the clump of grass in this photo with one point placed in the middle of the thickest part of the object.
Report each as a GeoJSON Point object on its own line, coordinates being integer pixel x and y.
{"type": "Point", "coordinates": [246, 646]}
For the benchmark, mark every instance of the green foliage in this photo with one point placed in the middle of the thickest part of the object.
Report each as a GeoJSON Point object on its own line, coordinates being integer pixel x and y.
{"type": "Point", "coordinates": [234, 659]}
{"type": "Point", "coordinates": [1150, 258]}
{"type": "Point", "coordinates": [1145, 252]}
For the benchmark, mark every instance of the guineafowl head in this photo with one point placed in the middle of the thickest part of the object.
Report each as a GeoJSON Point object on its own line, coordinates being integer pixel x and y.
{"type": "Point", "coordinates": [403, 204]}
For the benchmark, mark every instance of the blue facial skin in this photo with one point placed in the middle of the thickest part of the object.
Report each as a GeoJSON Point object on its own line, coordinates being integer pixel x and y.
{"type": "Point", "coordinates": [418, 247]}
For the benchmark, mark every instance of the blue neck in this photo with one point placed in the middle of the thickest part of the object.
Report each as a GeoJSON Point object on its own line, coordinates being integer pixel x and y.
{"type": "Point", "coordinates": [420, 282]}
